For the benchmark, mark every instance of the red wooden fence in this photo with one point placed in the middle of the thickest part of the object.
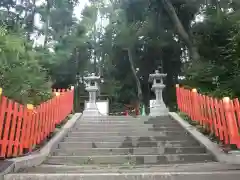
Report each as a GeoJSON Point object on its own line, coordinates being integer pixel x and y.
{"type": "Point", "coordinates": [24, 127]}
{"type": "Point", "coordinates": [218, 116]}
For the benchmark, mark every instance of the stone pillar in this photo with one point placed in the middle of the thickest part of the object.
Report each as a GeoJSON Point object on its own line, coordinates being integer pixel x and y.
{"type": "Point", "coordinates": [92, 97]}
{"type": "Point", "coordinates": [158, 94]}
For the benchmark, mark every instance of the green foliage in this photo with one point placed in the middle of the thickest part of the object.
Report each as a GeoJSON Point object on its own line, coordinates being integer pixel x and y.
{"type": "Point", "coordinates": [21, 76]}
{"type": "Point", "coordinates": [142, 29]}
{"type": "Point", "coordinates": [28, 69]}
{"type": "Point", "coordinates": [218, 41]}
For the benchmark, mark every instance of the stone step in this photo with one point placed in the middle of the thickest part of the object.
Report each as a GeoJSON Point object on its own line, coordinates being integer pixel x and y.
{"type": "Point", "coordinates": [116, 117]}
{"type": "Point", "coordinates": [130, 159]}
{"type": "Point", "coordinates": [165, 125]}
{"type": "Point", "coordinates": [126, 144]}
{"type": "Point", "coordinates": [133, 133]}
{"type": "Point", "coordinates": [100, 120]}
{"type": "Point", "coordinates": [95, 126]}
{"type": "Point", "coordinates": [126, 119]}
{"type": "Point", "coordinates": [109, 117]}
{"type": "Point", "coordinates": [125, 151]}
{"type": "Point", "coordinates": [229, 175]}
{"type": "Point", "coordinates": [123, 118]}
{"type": "Point", "coordinates": [112, 122]}
{"type": "Point", "coordinates": [136, 122]}
{"type": "Point", "coordinates": [159, 118]}
{"type": "Point", "coordinates": [127, 168]}
{"type": "Point", "coordinates": [125, 129]}
{"type": "Point", "coordinates": [105, 125]}
{"type": "Point", "coordinates": [75, 138]}
{"type": "Point", "coordinates": [126, 122]}
{"type": "Point", "coordinates": [155, 121]}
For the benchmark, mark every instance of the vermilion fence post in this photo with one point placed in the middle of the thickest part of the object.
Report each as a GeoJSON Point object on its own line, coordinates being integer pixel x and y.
{"type": "Point", "coordinates": [18, 146]}
{"type": "Point", "coordinates": [28, 126]}
{"type": "Point", "coordinates": [41, 122]}
{"type": "Point", "coordinates": [180, 99]}
{"type": "Point", "coordinates": [218, 119]}
{"type": "Point", "coordinates": [194, 104]}
{"type": "Point", "coordinates": [24, 130]}
{"type": "Point", "coordinates": [186, 105]}
{"type": "Point", "coordinates": [184, 94]}
{"type": "Point", "coordinates": [237, 109]}
{"type": "Point", "coordinates": [12, 130]}
{"type": "Point", "coordinates": [57, 101]}
{"type": "Point", "coordinates": [200, 112]}
{"type": "Point", "coordinates": [34, 128]}
{"type": "Point", "coordinates": [233, 130]}
{"type": "Point", "coordinates": [72, 99]}
{"type": "Point", "coordinates": [46, 122]}
{"type": "Point", "coordinates": [2, 115]}
{"type": "Point", "coordinates": [51, 115]}
{"type": "Point", "coordinates": [205, 109]}
{"type": "Point", "coordinates": [199, 100]}
{"type": "Point", "coordinates": [185, 100]}
{"type": "Point", "coordinates": [180, 91]}
{"type": "Point", "coordinates": [224, 123]}
{"type": "Point", "coordinates": [189, 102]}
{"type": "Point", "coordinates": [7, 124]}
{"type": "Point", "coordinates": [177, 96]}
{"type": "Point", "coordinates": [215, 123]}
{"type": "Point", "coordinates": [210, 114]}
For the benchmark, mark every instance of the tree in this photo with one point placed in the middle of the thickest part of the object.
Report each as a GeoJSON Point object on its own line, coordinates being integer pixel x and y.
{"type": "Point", "coordinates": [139, 26]}
{"type": "Point", "coordinates": [181, 30]}
{"type": "Point", "coordinates": [217, 38]}
{"type": "Point", "coordinates": [56, 63]}
{"type": "Point", "coordinates": [21, 76]}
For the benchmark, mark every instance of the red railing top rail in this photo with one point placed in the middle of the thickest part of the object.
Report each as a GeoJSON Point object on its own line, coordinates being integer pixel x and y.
{"type": "Point", "coordinates": [194, 90]}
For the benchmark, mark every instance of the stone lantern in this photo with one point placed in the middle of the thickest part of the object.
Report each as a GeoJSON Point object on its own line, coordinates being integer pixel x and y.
{"type": "Point", "coordinates": [92, 87]}
{"type": "Point", "coordinates": [158, 107]}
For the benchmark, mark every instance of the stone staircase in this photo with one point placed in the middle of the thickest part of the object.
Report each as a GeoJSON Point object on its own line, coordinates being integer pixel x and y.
{"type": "Point", "coordinates": [112, 148]}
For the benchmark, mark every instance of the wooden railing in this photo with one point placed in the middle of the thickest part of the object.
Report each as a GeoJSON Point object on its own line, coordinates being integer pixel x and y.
{"type": "Point", "coordinates": [218, 116]}
{"type": "Point", "coordinates": [24, 127]}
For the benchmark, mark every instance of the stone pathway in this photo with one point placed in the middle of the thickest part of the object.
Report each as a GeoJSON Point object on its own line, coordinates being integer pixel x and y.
{"type": "Point", "coordinates": [110, 148]}
{"type": "Point", "coordinates": [4, 165]}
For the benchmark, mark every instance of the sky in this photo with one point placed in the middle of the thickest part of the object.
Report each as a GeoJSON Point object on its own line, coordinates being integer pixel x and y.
{"type": "Point", "coordinates": [77, 12]}
{"type": "Point", "coordinates": [78, 9]}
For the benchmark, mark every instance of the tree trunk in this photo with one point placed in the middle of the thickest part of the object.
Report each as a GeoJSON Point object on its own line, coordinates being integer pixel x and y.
{"type": "Point", "coordinates": [47, 23]}
{"type": "Point", "coordinates": [139, 89]}
{"type": "Point", "coordinates": [181, 30]}
{"type": "Point", "coordinates": [218, 7]}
